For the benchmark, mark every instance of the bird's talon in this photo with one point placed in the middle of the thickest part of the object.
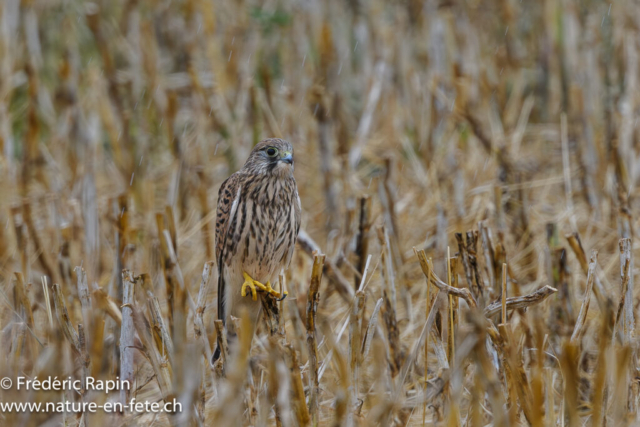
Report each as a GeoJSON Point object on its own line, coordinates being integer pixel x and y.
{"type": "Point", "coordinates": [284, 295]}
{"type": "Point", "coordinates": [256, 286]}
{"type": "Point", "coordinates": [275, 294]}
{"type": "Point", "coordinates": [249, 283]}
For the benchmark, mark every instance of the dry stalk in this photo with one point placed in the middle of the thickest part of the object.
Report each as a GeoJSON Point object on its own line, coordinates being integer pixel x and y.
{"type": "Point", "coordinates": [578, 329]}
{"type": "Point", "coordinates": [161, 335]}
{"type": "Point", "coordinates": [284, 393]}
{"type": "Point", "coordinates": [333, 273]}
{"type": "Point", "coordinates": [121, 219]}
{"type": "Point", "coordinates": [24, 319]}
{"type": "Point", "coordinates": [355, 342]}
{"type": "Point", "coordinates": [204, 211]}
{"type": "Point", "coordinates": [522, 383]}
{"type": "Point", "coordinates": [21, 238]}
{"type": "Point", "coordinates": [106, 303]}
{"type": "Point", "coordinates": [42, 257]}
{"type": "Point", "coordinates": [167, 269]}
{"type": "Point", "coordinates": [367, 116]}
{"type": "Point", "coordinates": [472, 252]}
{"type": "Point", "coordinates": [299, 403]}
{"type": "Point", "coordinates": [463, 293]}
{"type": "Point", "coordinates": [537, 380]}
{"type": "Point", "coordinates": [312, 345]}
{"type": "Point", "coordinates": [319, 104]}
{"type": "Point", "coordinates": [470, 263]}
{"type": "Point", "coordinates": [362, 240]}
{"type": "Point", "coordinates": [576, 245]}
{"type": "Point", "coordinates": [342, 401]}
{"type": "Point", "coordinates": [393, 334]}
{"type": "Point", "coordinates": [21, 299]}
{"type": "Point", "coordinates": [271, 314]}
{"type": "Point", "coordinates": [85, 299]}
{"type": "Point", "coordinates": [569, 365]}
{"type": "Point", "coordinates": [426, 343]}
{"type": "Point", "coordinates": [511, 382]}
{"type": "Point", "coordinates": [85, 359]}
{"type": "Point", "coordinates": [438, 346]}
{"type": "Point", "coordinates": [550, 414]}
{"type": "Point", "coordinates": [97, 347]}
{"type": "Point", "coordinates": [159, 363]}
{"type": "Point", "coordinates": [626, 300]}
{"type": "Point", "coordinates": [500, 258]}
{"type": "Point", "coordinates": [620, 404]}
{"type": "Point", "coordinates": [273, 386]}
{"type": "Point", "coordinates": [63, 319]}
{"type": "Point", "coordinates": [451, 342]}
{"type": "Point", "coordinates": [462, 250]}
{"type": "Point", "coordinates": [440, 300]}
{"type": "Point", "coordinates": [181, 296]}
{"type": "Point", "coordinates": [221, 333]}
{"type": "Point", "coordinates": [487, 371]}
{"type": "Point", "coordinates": [514, 303]}
{"type": "Point", "coordinates": [171, 227]}
{"type": "Point", "coordinates": [386, 265]}
{"type": "Point", "coordinates": [422, 256]}
{"type": "Point", "coordinates": [18, 346]}
{"type": "Point", "coordinates": [47, 300]}
{"type": "Point", "coordinates": [623, 297]}
{"type": "Point", "coordinates": [371, 329]}
{"type": "Point", "coordinates": [198, 320]}
{"type": "Point", "coordinates": [504, 294]}
{"type": "Point", "coordinates": [229, 408]}
{"type": "Point", "coordinates": [600, 383]}
{"type": "Point", "coordinates": [456, 284]}
{"type": "Point", "coordinates": [562, 309]}
{"type": "Point", "coordinates": [127, 334]}
{"type": "Point", "coordinates": [388, 195]}
{"type": "Point", "coordinates": [489, 254]}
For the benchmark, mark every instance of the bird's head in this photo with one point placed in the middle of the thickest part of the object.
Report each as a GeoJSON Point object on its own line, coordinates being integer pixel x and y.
{"type": "Point", "coordinates": [271, 156]}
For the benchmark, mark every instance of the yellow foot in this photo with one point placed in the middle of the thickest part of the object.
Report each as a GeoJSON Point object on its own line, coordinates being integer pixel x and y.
{"type": "Point", "coordinates": [255, 286]}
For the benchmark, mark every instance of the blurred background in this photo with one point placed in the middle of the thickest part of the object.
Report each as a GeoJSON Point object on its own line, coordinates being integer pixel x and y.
{"type": "Point", "coordinates": [411, 121]}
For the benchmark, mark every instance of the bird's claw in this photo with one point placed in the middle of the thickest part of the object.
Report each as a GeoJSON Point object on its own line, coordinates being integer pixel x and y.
{"type": "Point", "coordinates": [251, 284]}
{"type": "Point", "coordinates": [255, 286]}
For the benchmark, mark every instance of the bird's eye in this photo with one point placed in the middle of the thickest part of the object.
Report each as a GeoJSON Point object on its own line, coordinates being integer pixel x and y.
{"type": "Point", "coordinates": [272, 152]}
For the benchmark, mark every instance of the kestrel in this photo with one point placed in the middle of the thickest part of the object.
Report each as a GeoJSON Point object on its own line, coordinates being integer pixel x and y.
{"type": "Point", "coordinates": [257, 223]}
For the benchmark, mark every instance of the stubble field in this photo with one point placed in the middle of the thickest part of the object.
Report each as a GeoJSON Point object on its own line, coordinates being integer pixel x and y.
{"type": "Point", "coordinates": [489, 146]}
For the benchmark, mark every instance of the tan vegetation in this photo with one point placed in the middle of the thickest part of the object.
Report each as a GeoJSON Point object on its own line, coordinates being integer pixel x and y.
{"type": "Point", "coordinates": [467, 170]}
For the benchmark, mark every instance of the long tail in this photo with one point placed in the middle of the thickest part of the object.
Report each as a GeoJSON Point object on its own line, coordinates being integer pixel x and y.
{"type": "Point", "coordinates": [216, 355]}
{"type": "Point", "coordinates": [221, 314]}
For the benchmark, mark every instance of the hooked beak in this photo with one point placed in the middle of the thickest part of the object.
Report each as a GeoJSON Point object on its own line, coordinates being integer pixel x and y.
{"type": "Point", "coordinates": [287, 157]}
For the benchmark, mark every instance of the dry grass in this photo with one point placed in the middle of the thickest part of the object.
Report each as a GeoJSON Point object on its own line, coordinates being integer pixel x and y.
{"type": "Point", "coordinates": [513, 123]}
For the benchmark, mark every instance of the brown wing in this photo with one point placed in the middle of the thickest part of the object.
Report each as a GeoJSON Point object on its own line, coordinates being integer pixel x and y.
{"type": "Point", "coordinates": [298, 213]}
{"type": "Point", "coordinates": [297, 217]}
{"type": "Point", "coordinates": [227, 202]}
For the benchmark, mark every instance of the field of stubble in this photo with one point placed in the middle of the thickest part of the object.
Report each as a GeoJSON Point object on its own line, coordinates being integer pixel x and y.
{"type": "Point", "coordinates": [490, 146]}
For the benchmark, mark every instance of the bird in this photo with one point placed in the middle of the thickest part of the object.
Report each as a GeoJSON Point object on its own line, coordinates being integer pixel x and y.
{"type": "Point", "coordinates": [257, 223]}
